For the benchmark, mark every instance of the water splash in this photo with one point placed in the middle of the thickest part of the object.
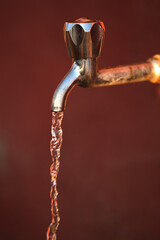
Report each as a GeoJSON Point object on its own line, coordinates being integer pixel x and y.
{"type": "Point", "coordinates": [55, 146]}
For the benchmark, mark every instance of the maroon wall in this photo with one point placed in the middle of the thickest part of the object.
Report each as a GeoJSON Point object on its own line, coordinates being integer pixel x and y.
{"type": "Point", "coordinates": [109, 184]}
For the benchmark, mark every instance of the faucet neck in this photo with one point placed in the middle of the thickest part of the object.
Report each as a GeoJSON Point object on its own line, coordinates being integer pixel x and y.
{"type": "Point", "coordinates": [88, 71]}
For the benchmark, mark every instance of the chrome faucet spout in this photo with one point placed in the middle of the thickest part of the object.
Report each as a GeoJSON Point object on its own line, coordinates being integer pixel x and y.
{"type": "Point", "coordinates": [82, 73]}
{"type": "Point", "coordinates": [61, 93]}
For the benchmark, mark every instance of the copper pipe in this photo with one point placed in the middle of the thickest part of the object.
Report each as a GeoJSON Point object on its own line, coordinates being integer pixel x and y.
{"type": "Point", "coordinates": [124, 74]}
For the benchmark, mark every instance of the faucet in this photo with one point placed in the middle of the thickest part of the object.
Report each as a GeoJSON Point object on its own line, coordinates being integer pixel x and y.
{"type": "Point", "coordinates": [84, 39]}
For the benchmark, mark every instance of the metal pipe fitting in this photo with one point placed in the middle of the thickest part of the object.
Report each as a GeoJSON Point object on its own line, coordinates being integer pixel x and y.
{"type": "Point", "coordinates": [84, 40]}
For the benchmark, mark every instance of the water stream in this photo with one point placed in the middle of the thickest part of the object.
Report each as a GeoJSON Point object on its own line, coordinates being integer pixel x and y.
{"type": "Point", "coordinates": [55, 146]}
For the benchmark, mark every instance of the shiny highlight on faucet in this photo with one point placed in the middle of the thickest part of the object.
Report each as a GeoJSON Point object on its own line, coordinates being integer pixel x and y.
{"type": "Point", "coordinates": [84, 39]}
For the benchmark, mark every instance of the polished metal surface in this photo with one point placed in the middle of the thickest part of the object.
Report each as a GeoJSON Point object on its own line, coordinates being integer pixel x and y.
{"type": "Point", "coordinates": [82, 73]}
{"type": "Point", "coordinates": [62, 91]}
{"type": "Point", "coordinates": [84, 39]}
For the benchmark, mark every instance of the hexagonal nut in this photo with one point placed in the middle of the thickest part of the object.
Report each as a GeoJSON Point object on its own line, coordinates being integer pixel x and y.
{"type": "Point", "coordinates": [84, 38]}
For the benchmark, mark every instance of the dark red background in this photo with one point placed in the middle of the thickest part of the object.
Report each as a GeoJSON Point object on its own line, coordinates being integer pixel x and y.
{"type": "Point", "coordinates": [109, 184]}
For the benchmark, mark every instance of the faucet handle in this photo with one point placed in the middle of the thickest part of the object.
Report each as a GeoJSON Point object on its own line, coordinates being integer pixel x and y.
{"type": "Point", "coordinates": [84, 38]}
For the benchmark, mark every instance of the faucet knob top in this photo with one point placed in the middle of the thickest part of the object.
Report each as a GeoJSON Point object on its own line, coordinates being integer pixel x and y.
{"type": "Point", "coordinates": [84, 38]}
